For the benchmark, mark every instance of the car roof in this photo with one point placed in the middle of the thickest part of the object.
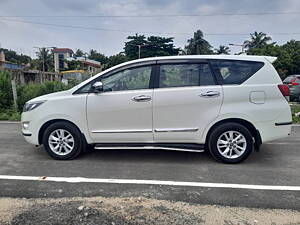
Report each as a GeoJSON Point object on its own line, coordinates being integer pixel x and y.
{"type": "Point", "coordinates": [271, 59]}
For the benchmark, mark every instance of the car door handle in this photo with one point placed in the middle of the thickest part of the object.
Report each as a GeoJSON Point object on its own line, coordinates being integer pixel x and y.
{"type": "Point", "coordinates": [141, 98]}
{"type": "Point", "coordinates": [210, 94]}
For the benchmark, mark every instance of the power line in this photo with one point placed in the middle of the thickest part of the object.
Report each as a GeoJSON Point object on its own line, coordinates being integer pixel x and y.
{"type": "Point", "coordinates": [159, 15]}
{"type": "Point", "coordinates": [91, 28]}
{"type": "Point", "coordinates": [145, 32]}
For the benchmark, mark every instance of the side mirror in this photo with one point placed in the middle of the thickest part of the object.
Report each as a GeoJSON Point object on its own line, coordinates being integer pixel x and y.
{"type": "Point", "coordinates": [97, 87]}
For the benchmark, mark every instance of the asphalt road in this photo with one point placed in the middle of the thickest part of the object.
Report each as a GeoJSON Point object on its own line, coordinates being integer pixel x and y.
{"type": "Point", "coordinates": [278, 163]}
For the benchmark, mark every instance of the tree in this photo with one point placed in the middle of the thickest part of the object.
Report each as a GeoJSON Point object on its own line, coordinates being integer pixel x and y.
{"type": "Point", "coordinates": [45, 60]}
{"type": "Point", "coordinates": [160, 46]}
{"type": "Point", "coordinates": [131, 48]}
{"type": "Point", "coordinates": [79, 53]}
{"type": "Point", "coordinates": [288, 56]}
{"type": "Point", "coordinates": [198, 45]}
{"type": "Point", "coordinates": [140, 46]}
{"type": "Point", "coordinates": [94, 55]}
{"type": "Point", "coordinates": [115, 60]}
{"type": "Point", "coordinates": [258, 40]}
{"type": "Point", "coordinates": [222, 50]}
{"type": "Point", "coordinates": [12, 56]}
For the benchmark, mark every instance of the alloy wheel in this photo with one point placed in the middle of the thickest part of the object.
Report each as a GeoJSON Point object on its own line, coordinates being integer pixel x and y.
{"type": "Point", "coordinates": [61, 142]}
{"type": "Point", "coordinates": [231, 144]}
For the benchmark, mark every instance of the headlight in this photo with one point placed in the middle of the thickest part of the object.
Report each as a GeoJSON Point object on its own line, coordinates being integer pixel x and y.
{"type": "Point", "coordinates": [32, 105]}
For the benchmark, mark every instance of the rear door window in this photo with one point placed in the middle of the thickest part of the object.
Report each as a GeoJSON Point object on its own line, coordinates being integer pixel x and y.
{"type": "Point", "coordinates": [236, 71]}
{"type": "Point", "coordinates": [182, 75]}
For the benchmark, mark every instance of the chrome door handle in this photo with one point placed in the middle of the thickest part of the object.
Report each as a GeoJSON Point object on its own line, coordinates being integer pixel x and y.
{"type": "Point", "coordinates": [210, 94]}
{"type": "Point", "coordinates": [141, 98]}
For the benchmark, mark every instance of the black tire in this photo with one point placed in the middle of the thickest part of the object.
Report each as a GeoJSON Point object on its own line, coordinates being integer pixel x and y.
{"type": "Point", "coordinates": [78, 144]}
{"type": "Point", "coordinates": [217, 133]}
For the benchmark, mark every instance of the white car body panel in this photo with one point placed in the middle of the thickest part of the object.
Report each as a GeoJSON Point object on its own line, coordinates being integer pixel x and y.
{"type": "Point", "coordinates": [114, 116]}
{"type": "Point", "coordinates": [179, 115]}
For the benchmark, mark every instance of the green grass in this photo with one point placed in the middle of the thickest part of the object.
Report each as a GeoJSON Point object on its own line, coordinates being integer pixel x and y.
{"type": "Point", "coordinates": [295, 108]}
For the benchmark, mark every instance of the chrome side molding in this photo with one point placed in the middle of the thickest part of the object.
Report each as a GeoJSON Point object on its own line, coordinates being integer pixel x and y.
{"type": "Point", "coordinates": [146, 130]}
{"type": "Point", "coordinates": [176, 130]}
{"type": "Point", "coordinates": [120, 131]}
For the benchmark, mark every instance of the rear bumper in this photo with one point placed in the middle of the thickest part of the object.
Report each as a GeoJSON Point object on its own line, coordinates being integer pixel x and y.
{"type": "Point", "coordinates": [271, 131]}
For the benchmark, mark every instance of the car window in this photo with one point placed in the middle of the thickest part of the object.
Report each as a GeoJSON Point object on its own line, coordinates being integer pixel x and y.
{"type": "Point", "coordinates": [128, 79]}
{"type": "Point", "coordinates": [181, 75]}
{"type": "Point", "coordinates": [291, 79]}
{"type": "Point", "coordinates": [236, 71]}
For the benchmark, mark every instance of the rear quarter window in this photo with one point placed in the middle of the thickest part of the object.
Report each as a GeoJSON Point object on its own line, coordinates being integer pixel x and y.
{"type": "Point", "coordinates": [236, 71]}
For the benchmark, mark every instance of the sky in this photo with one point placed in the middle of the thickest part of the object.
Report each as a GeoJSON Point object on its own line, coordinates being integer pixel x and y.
{"type": "Point", "coordinates": [108, 34]}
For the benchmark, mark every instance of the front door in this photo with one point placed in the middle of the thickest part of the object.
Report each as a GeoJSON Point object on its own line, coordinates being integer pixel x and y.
{"type": "Point", "coordinates": [186, 101]}
{"type": "Point", "coordinates": [123, 111]}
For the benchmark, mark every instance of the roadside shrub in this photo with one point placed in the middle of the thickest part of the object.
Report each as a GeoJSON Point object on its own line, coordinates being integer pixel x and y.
{"type": "Point", "coordinates": [295, 109]}
{"type": "Point", "coordinates": [6, 96]}
{"type": "Point", "coordinates": [10, 114]}
{"type": "Point", "coordinates": [30, 91]}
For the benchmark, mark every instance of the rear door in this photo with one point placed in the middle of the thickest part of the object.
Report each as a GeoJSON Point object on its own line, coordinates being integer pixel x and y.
{"type": "Point", "coordinates": [186, 101]}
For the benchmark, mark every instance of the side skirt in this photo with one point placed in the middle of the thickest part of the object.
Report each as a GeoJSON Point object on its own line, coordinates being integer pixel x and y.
{"type": "Point", "coordinates": [161, 146]}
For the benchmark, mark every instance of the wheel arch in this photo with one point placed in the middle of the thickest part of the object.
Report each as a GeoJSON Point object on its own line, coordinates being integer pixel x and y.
{"type": "Point", "coordinates": [48, 123]}
{"type": "Point", "coordinates": [255, 133]}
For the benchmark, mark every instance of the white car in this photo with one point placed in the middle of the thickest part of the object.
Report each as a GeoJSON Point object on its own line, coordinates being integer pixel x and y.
{"type": "Point", "coordinates": [228, 105]}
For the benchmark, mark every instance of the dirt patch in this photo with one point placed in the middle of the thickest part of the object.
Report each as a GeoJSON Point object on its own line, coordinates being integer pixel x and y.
{"type": "Point", "coordinates": [115, 211]}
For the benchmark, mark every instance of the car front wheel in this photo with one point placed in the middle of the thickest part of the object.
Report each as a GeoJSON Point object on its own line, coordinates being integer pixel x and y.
{"type": "Point", "coordinates": [63, 141]}
{"type": "Point", "coordinates": [230, 143]}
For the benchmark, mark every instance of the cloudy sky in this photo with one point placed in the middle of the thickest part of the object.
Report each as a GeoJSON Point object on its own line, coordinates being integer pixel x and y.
{"type": "Point", "coordinates": [28, 23]}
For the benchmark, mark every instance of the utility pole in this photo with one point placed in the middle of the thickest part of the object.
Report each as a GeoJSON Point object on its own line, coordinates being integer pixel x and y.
{"type": "Point", "coordinates": [15, 96]}
{"type": "Point", "coordinates": [139, 48]}
{"type": "Point", "coordinates": [240, 45]}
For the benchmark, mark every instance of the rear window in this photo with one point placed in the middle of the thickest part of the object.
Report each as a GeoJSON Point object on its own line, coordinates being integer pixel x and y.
{"type": "Point", "coordinates": [236, 71]}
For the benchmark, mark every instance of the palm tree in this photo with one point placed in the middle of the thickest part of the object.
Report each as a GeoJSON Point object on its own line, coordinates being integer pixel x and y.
{"type": "Point", "coordinates": [45, 59]}
{"type": "Point", "coordinates": [258, 40]}
{"type": "Point", "coordinates": [222, 50]}
{"type": "Point", "coordinates": [198, 45]}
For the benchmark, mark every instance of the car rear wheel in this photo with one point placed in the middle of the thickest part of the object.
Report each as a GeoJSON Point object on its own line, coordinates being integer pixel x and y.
{"type": "Point", "coordinates": [63, 141]}
{"type": "Point", "coordinates": [230, 143]}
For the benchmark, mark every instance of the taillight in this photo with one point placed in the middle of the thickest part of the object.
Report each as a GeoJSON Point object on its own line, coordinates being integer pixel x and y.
{"type": "Point", "coordinates": [294, 83]}
{"type": "Point", "coordinates": [285, 91]}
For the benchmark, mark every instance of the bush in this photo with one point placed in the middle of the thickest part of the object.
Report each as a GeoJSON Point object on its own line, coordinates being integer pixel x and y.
{"type": "Point", "coordinates": [10, 114]}
{"type": "Point", "coordinates": [6, 96]}
{"type": "Point", "coordinates": [30, 91]}
{"type": "Point", "coordinates": [25, 93]}
{"type": "Point", "coordinates": [295, 109]}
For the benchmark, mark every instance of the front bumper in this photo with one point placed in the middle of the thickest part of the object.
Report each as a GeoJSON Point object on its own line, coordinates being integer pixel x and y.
{"type": "Point", "coordinates": [31, 131]}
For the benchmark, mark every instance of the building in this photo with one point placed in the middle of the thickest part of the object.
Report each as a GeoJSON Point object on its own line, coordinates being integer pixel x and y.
{"type": "Point", "coordinates": [23, 75]}
{"type": "Point", "coordinates": [90, 66]}
{"type": "Point", "coordinates": [60, 54]}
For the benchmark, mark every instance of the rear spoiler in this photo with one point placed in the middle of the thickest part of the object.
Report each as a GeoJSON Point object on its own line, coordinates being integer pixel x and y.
{"type": "Point", "coordinates": [271, 59]}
